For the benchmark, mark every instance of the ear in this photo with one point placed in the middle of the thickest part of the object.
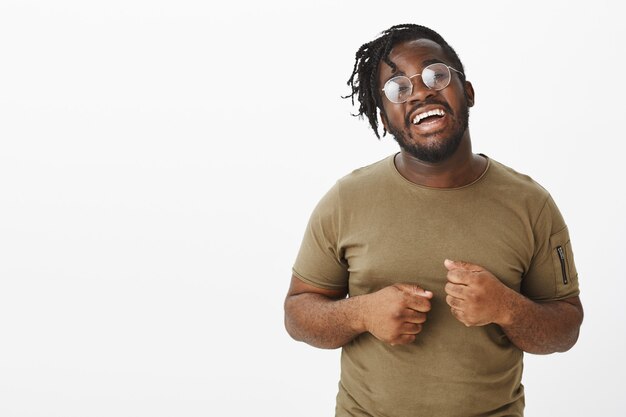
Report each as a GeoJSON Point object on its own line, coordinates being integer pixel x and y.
{"type": "Point", "coordinates": [469, 93]}
{"type": "Point", "coordinates": [383, 119]}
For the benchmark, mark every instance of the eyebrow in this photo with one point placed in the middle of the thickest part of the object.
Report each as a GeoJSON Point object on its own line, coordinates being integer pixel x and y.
{"type": "Point", "coordinates": [432, 61]}
{"type": "Point", "coordinates": [425, 63]}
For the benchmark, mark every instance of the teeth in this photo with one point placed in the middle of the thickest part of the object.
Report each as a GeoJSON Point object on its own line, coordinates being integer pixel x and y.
{"type": "Point", "coordinates": [418, 118]}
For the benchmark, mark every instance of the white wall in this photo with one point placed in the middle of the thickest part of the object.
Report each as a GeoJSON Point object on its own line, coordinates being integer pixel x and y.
{"type": "Point", "coordinates": [159, 161]}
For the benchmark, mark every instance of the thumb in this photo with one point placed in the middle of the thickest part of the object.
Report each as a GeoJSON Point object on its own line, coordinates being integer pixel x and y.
{"type": "Point", "coordinates": [451, 265]}
{"type": "Point", "coordinates": [414, 289]}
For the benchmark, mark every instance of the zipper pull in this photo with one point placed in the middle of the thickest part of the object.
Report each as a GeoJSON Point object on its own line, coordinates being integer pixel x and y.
{"type": "Point", "coordinates": [561, 253]}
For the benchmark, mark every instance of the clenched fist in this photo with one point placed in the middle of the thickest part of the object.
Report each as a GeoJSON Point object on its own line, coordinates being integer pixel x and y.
{"type": "Point", "coordinates": [395, 314]}
{"type": "Point", "coordinates": [475, 296]}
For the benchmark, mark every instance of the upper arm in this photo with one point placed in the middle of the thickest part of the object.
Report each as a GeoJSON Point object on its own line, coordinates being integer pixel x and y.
{"type": "Point", "coordinates": [298, 286]}
{"type": "Point", "coordinates": [551, 274]}
{"type": "Point", "coordinates": [320, 261]}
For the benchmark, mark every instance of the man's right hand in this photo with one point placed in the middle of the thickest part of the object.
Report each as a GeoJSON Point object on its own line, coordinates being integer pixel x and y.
{"type": "Point", "coordinates": [395, 314]}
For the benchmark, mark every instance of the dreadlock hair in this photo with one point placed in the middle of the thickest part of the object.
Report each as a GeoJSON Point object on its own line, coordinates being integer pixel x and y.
{"type": "Point", "coordinates": [364, 78]}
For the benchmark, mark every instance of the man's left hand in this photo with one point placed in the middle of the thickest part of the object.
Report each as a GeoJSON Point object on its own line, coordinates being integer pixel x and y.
{"type": "Point", "coordinates": [475, 296]}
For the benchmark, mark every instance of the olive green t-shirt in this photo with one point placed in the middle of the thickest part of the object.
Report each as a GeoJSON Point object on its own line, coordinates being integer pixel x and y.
{"type": "Point", "coordinates": [374, 228]}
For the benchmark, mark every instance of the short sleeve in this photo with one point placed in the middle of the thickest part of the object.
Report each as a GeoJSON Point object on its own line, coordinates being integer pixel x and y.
{"type": "Point", "coordinates": [552, 274]}
{"type": "Point", "coordinates": [320, 260]}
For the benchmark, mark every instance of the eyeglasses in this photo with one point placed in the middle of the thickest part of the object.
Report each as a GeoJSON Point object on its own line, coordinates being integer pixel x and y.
{"type": "Point", "coordinates": [435, 76]}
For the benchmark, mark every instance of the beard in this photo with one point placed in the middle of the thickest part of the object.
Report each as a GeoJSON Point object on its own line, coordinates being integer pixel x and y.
{"type": "Point", "coordinates": [437, 150]}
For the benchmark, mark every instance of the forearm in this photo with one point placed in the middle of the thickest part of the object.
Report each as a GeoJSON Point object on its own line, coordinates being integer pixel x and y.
{"type": "Point", "coordinates": [542, 328]}
{"type": "Point", "coordinates": [322, 321]}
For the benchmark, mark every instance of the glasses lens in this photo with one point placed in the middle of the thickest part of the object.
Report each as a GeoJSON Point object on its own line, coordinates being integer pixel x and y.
{"type": "Point", "coordinates": [436, 76]}
{"type": "Point", "coordinates": [398, 89]}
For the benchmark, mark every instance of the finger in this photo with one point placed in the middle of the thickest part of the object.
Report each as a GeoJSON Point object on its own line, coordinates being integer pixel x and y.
{"type": "Point", "coordinates": [459, 276]}
{"type": "Point", "coordinates": [410, 328]}
{"type": "Point", "coordinates": [403, 339]}
{"type": "Point", "coordinates": [468, 266]}
{"type": "Point", "coordinates": [414, 289]}
{"type": "Point", "coordinates": [458, 314]}
{"type": "Point", "coordinates": [412, 316]}
{"type": "Point", "coordinates": [456, 290]}
{"type": "Point", "coordinates": [420, 304]}
{"type": "Point", "coordinates": [455, 303]}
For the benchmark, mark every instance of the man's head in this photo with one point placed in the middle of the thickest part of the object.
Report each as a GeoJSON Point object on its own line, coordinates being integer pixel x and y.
{"type": "Point", "coordinates": [409, 50]}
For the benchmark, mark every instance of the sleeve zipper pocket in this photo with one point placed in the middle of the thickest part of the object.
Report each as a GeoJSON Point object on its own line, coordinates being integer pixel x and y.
{"type": "Point", "coordinates": [561, 253]}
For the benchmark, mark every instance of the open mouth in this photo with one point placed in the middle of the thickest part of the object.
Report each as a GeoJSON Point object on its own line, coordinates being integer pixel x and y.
{"type": "Point", "coordinates": [428, 116]}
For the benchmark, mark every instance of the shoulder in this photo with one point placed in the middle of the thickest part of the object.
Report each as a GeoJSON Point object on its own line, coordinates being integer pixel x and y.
{"type": "Point", "coordinates": [514, 183]}
{"type": "Point", "coordinates": [366, 177]}
{"type": "Point", "coordinates": [354, 188]}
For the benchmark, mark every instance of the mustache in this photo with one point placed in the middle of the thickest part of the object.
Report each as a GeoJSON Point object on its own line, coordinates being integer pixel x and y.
{"type": "Point", "coordinates": [424, 104]}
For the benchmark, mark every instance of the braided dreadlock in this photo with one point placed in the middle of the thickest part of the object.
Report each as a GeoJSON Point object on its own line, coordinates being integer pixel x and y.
{"type": "Point", "coordinates": [364, 78]}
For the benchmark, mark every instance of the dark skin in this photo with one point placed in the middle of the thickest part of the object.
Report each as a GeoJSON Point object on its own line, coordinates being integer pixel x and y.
{"type": "Point", "coordinates": [396, 314]}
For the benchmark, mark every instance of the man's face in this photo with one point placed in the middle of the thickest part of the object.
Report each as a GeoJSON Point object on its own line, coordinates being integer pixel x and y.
{"type": "Point", "coordinates": [434, 138]}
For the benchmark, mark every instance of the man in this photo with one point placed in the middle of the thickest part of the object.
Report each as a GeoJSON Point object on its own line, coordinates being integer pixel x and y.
{"type": "Point", "coordinates": [453, 263]}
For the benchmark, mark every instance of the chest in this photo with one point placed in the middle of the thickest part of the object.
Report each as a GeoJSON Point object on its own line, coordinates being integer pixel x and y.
{"type": "Point", "coordinates": [408, 239]}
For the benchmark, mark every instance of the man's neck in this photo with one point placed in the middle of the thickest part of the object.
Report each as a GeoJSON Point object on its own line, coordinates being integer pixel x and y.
{"type": "Point", "coordinates": [462, 168]}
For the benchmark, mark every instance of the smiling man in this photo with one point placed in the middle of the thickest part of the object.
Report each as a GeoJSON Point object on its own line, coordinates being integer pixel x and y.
{"type": "Point", "coordinates": [435, 268]}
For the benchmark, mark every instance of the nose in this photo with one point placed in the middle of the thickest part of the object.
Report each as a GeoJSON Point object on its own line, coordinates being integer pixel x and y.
{"type": "Point", "coordinates": [420, 91]}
